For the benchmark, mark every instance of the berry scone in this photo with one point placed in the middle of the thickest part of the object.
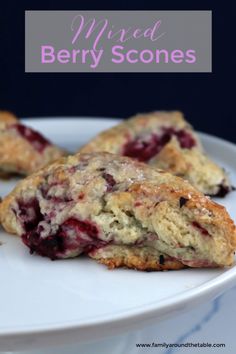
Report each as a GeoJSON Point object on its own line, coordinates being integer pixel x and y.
{"type": "Point", "coordinates": [22, 149]}
{"type": "Point", "coordinates": [167, 141]}
{"type": "Point", "coordinates": [120, 212]}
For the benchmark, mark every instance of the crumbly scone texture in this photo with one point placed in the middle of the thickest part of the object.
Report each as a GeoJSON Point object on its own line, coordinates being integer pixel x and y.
{"type": "Point", "coordinates": [23, 150]}
{"type": "Point", "coordinates": [120, 212]}
{"type": "Point", "coordinates": [167, 141]}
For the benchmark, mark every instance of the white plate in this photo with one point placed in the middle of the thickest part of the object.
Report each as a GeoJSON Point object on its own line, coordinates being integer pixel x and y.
{"type": "Point", "coordinates": [44, 303]}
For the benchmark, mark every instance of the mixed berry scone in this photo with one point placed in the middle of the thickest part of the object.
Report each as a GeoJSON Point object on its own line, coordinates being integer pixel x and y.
{"type": "Point", "coordinates": [22, 149]}
{"type": "Point", "coordinates": [120, 212]}
{"type": "Point", "coordinates": [167, 141]}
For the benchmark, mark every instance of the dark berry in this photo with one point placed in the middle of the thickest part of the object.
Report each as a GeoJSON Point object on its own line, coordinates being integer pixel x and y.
{"type": "Point", "coordinates": [144, 149]}
{"type": "Point", "coordinates": [33, 137]}
{"type": "Point", "coordinates": [161, 259]}
{"type": "Point", "coordinates": [29, 213]}
{"type": "Point", "coordinates": [110, 181]}
{"type": "Point", "coordinates": [222, 191]}
{"type": "Point", "coordinates": [182, 201]}
{"type": "Point", "coordinates": [200, 228]}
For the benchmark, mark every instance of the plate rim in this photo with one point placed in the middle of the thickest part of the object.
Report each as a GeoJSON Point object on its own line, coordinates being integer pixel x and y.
{"type": "Point", "coordinates": [210, 287]}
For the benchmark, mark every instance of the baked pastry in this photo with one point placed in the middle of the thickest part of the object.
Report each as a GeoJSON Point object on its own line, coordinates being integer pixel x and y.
{"type": "Point", "coordinates": [120, 212]}
{"type": "Point", "coordinates": [167, 141]}
{"type": "Point", "coordinates": [22, 149]}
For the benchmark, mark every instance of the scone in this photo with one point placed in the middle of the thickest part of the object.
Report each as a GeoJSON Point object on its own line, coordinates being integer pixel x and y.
{"type": "Point", "coordinates": [164, 140]}
{"type": "Point", "coordinates": [120, 212]}
{"type": "Point", "coordinates": [22, 149]}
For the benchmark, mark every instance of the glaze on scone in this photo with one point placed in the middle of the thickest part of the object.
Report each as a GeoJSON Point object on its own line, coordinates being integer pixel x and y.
{"type": "Point", "coordinates": [23, 150]}
{"type": "Point", "coordinates": [164, 140]}
{"type": "Point", "coordinates": [120, 212]}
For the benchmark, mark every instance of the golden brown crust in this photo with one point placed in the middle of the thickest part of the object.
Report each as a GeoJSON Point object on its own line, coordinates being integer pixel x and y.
{"type": "Point", "coordinates": [17, 154]}
{"type": "Point", "coordinates": [189, 163]}
{"type": "Point", "coordinates": [139, 258]}
{"type": "Point", "coordinates": [113, 139]}
{"type": "Point", "coordinates": [7, 117]}
{"type": "Point", "coordinates": [137, 263]}
{"type": "Point", "coordinates": [131, 204]}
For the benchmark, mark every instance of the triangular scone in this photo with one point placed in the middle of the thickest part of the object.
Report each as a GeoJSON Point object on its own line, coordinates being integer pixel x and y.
{"type": "Point", "coordinates": [167, 141]}
{"type": "Point", "coordinates": [120, 212]}
{"type": "Point", "coordinates": [22, 149]}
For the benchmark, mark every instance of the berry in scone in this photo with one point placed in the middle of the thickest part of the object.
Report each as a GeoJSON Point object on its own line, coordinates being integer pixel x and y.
{"type": "Point", "coordinates": [22, 149]}
{"type": "Point", "coordinates": [164, 140]}
{"type": "Point", "coordinates": [120, 212]}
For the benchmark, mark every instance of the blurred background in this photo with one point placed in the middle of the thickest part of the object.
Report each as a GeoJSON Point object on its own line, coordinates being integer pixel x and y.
{"type": "Point", "coordinates": [206, 99]}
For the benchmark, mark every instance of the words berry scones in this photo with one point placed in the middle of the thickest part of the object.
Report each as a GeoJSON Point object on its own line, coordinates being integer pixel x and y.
{"type": "Point", "coordinates": [22, 149]}
{"type": "Point", "coordinates": [120, 212]}
{"type": "Point", "coordinates": [164, 140]}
